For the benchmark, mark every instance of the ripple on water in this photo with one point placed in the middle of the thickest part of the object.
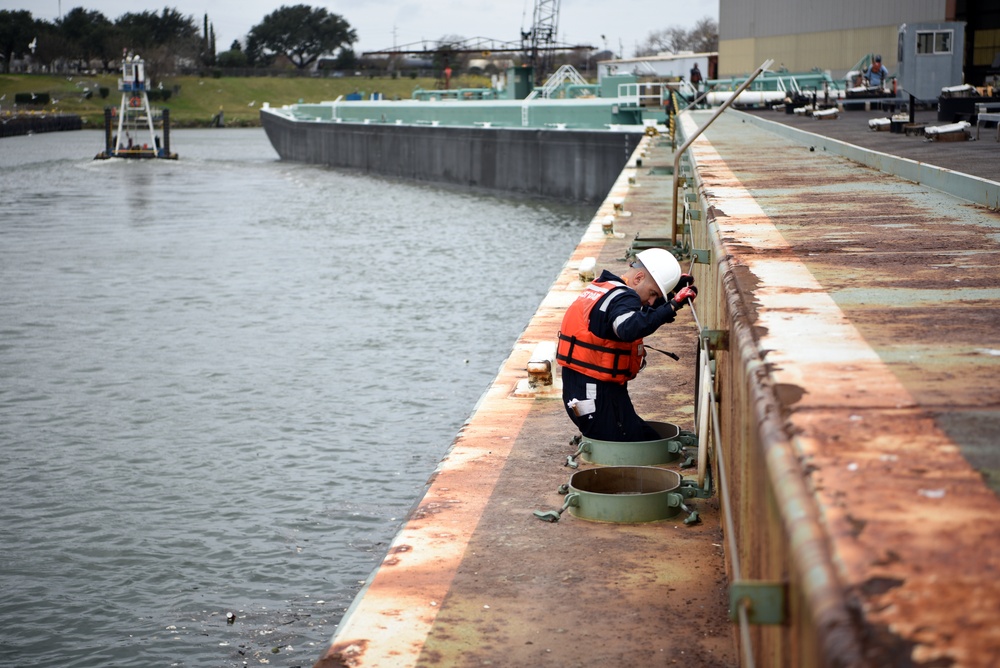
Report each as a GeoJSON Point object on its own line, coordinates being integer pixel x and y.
{"type": "Point", "coordinates": [226, 382]}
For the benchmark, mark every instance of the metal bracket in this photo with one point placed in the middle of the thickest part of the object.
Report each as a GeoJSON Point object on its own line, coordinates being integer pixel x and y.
{"type": "Point", "coordinates": [701, 255]}
{"type": "Point", "coordinates": [717, 338]}
{"type": "Point", "coordinates": [689, 490]}
{"type": "Point", "coordinates": [679, 250]}
{"type": "Point", "coordinates": [767, 601]}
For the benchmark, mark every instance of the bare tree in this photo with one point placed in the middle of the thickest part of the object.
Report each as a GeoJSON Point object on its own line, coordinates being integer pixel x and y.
{"type": "Point", "coordinates": [161, 39]}
{"type": "Point", "coordinates": [704, 37]}
{"type": "Point", "coordinates": [671, 40]}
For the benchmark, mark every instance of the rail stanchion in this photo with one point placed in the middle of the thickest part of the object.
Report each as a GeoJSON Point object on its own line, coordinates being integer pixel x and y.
{"type": "Point", "coordinates": [722, 485]}
{"type": "Point", "coordinates": [677, 156]}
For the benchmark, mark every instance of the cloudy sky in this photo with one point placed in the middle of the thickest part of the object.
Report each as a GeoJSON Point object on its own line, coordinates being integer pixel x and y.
{"type": "Point", "coordinates": [382, 24]}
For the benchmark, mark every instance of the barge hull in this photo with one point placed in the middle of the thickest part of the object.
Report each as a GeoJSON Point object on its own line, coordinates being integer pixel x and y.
{"type": "Point", "coordinates": [568, 165]}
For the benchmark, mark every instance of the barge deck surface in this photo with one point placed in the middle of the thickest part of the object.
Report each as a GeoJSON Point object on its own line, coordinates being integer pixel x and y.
{"type": "Point", "coordinates": [873, 303]}
{"type": "Point", "coordinates": [979, 158]}
{"type": "Point", "coordinates": [873, 306]}
{"type": "Point", "coordinates": [474, 578]}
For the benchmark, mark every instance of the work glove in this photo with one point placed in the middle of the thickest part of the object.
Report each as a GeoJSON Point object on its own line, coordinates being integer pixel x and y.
{"type": "Point", "coordinates": [686, 280]}
{"type": "Point", "coordinates": [682, 296]}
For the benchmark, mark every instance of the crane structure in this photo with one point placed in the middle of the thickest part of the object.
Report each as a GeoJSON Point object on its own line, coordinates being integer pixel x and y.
{"type": "Point", "coordinates": [537, 47]}
{"type": "Point", "coordinates": [540, 40]}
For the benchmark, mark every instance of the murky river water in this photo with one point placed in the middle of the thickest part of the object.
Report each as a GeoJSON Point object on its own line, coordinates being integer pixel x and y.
{"type": "Point", "coordinates": [223, 383]}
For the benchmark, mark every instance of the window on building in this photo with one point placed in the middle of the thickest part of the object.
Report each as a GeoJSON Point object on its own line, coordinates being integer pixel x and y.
{"type": "Point", "coordinates": [934, 42]}
{"type": "Point", "coordinates": [942, 42]}
{"type": "Point", "coordinates": [986, 49]}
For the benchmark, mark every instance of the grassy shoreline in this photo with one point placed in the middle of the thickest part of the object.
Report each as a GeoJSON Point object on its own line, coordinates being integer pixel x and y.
{"type": "Point", "coordinates": [194, 101]}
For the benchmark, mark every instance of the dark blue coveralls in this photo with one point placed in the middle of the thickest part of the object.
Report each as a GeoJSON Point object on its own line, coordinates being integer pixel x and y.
{"type": "Point", "coordinates": [615, 418]}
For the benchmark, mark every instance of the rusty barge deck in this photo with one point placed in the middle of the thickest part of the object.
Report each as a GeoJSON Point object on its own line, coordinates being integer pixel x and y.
{"type": "Point", "coordinates": [474, 578]}
{"type": "Point", "coordinates": [854, 317]}
{"type": "Point", "coordinates": [864, 394]}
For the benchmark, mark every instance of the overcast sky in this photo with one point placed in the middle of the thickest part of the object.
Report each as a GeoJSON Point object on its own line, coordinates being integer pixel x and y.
{"type": "Point", "coordinates": [382, 24]}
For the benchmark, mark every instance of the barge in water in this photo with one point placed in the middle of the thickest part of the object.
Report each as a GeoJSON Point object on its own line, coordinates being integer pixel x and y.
{"type": "Point", "coordinates": [567, 139]}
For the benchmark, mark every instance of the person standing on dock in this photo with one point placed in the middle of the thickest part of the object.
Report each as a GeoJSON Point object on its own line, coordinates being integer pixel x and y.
{"type": "Point", "coordinates": [600, 343]}
{"type": "Point", "coordinates": [877, 73]}
{"type": "Point", "coordinates": [695, 77]}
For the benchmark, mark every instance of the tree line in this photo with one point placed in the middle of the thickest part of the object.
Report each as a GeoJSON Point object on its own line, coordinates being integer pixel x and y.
{"type": "Point", "coordinates": [169, 40]}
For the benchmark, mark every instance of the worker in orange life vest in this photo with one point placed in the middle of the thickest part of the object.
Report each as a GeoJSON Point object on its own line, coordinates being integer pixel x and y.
{"type": "Point", "coordinates": [600, 343]}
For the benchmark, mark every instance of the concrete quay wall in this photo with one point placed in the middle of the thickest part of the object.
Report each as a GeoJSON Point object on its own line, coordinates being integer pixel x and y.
{"type": "Point", "coordinates": [569, 165]}
{"type": "Point", "coordinates": [35, 122]}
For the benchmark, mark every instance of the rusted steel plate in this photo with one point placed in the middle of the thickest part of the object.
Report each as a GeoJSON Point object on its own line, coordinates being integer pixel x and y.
{"type": "Point", "coordinates": [875, 305]}
{"type": "Point", "coordinates": [473, 578]}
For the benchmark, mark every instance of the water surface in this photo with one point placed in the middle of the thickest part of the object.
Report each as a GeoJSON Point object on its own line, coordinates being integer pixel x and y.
{"type": "Point", "coordinates": [224, 381]}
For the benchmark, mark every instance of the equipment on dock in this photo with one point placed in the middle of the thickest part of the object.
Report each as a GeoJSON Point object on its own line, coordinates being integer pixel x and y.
{"type": "Point", "coordinates": [626, 494]}
{"type": "Point", "coordinates": [136, 136]}
{"type": "Point", "coordinates": [775, 88]}
{"type": "Point", "coordinates": [950, 132]}
{"type": "Point", "coordinates": [668, 448]}
{"type": "Point", "coordinates": [988, 113]}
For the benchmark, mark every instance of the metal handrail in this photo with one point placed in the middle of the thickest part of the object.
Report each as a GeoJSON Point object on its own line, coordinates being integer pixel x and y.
{"type": "Point", "coordinates": [743, 617]}
{"type": "Point", "coordinates": [819, 581]}
{"type": "Point", "coordinates": [677, 156]}
{"type": "Point", "coordinates": [695, 101]}
{"type": "Point", "coordinates": [633, 93]}
{"type": "Point", "coordinates": [558, 78]}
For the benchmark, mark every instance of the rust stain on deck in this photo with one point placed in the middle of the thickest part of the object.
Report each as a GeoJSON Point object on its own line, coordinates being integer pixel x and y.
{"type": "Point", "coordinates": [474, 578]}
{"type": "Point", "coordinates": [879, 301]}
{"type": "Point", "coordinates": [873, 306]}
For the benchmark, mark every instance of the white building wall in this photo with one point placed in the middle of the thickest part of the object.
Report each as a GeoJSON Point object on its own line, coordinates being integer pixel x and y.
{"type": "Point", "coordinates": [671, 66]}
{"type": "Point", "coordinates": [768, 18]}
{"type": "Point", "coordinates": [805, 34]}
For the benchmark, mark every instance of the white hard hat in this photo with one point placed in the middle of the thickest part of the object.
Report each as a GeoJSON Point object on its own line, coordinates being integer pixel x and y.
{"type": "Point", "coordinates": [662, 266]}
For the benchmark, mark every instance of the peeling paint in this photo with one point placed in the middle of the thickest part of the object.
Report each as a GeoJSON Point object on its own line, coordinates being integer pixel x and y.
{"type": "Point", "coordinates": [871, 298]}
{"type": "Point", "coordinates": [473, 578]}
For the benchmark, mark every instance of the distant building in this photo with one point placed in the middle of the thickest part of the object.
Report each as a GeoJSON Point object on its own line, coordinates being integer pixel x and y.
{"type": "Point", "coordinates": [801, 35]}
{"type": "Point", "coordinates": [661, 66]}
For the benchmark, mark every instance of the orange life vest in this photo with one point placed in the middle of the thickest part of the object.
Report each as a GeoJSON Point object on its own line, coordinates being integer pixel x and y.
{"type": "Point", "coordinates": [581, 350]}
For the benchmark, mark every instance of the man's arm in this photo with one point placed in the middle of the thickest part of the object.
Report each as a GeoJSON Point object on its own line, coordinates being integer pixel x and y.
{"type": "Point", "coordinates": [625, 319]}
